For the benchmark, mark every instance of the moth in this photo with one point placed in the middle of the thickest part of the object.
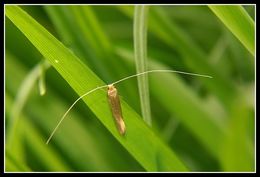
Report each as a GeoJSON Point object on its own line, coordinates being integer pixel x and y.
{"type": "Point", "coordinates": [115, 106]}
{"type": "Point", "coordinates": [114, 100]}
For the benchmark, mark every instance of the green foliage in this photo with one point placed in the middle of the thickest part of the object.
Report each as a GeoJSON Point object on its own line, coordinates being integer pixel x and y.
{"type": "Point", "coordinates": [239, 23]}
{"type": "Point", "coordinates": [140, 50]}
{"type": "Point", "coordinates": [199, 124]}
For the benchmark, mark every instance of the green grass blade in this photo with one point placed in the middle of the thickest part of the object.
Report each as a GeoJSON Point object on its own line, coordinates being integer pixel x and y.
{"type": "Point", "coordinates": [51, 160]}
{"type": "Point", "coordinates": [140, 48]}
{"type": "Point", "coordinates": [238, 22]}
{"type": "Point", "coordinates": [22, 97]}
{"type": "Point", "coordinates": [237, 149]}
{"type": "Point", "coordinates": [17, 150]}
{"type": "Point", "coordinates": [26, 131]}
{"type": "Point", "coordinates": [14, 165]}
{"type": "Point", "coordinates": [88, 40]}
{"type": "Point", "coordinates": [75, 33]}
{"type": "Point", "coordinates": [198, 119]}
{"type": "Point", "coordinates": [90, 148]}
{"type": "Point", "coordinates": [194, 57]}
{"type": "Point", "coordinates": [139, 140]}
{"type": "Point", "coordinates": [86, 15]}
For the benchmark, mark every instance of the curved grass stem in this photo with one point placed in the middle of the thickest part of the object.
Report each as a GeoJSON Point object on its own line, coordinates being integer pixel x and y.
{"type": "Point", "coordinates": [140, 49]}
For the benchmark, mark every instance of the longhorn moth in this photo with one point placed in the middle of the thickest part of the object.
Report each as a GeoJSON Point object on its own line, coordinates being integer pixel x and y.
{"type": "Point", "coordinates": [114, 100]}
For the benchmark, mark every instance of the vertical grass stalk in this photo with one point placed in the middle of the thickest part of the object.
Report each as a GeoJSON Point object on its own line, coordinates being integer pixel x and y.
{"type": "Point", "coordinates": [140, 50]}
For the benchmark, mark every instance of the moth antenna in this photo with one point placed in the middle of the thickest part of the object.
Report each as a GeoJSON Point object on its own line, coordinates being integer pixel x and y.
{"type": "Point", "coordinates": [63, 117]}
{"type": "Point", "coordinates": [161, 71]}
{"type": "Point", "coordinates": [126, 78]}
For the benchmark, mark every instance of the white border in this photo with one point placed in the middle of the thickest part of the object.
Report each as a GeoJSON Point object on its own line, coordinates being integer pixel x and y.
{"type": "Point", "coordinates": [132, 4]}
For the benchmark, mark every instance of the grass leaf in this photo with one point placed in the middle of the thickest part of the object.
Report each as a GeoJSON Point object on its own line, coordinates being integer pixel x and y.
{"type": "Point", "coordinates": [195, 58]}
{"type": "Point", "coordinates": [22, 97]}
{"type": "Point", "coordinates": [140, 43]}
{"type": "Point", "coordinates": [139, 140]}
{"type": "Point", "coordinates": [14, 165]}
{"type": "Point", "coordinates": [197, 118]}
{"type": "Point", "coordinates": [238, 22]}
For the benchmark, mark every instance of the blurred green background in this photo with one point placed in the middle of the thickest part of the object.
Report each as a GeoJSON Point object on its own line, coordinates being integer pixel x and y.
{"type": "Point", "coordinates": [187, 112]}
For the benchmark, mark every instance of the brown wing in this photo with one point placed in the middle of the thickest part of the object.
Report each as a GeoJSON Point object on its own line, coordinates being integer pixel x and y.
{"type": "Point", "coordinates": [115, 106]}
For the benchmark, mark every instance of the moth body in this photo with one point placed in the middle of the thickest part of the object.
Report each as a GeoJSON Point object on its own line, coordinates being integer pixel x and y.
{"type": "Point", "coordinates": [115, 106]}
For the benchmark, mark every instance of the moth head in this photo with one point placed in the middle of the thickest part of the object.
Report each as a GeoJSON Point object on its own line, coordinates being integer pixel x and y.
{"type": "Point", "coordinates": [112, 91]}
{"type": "Point", "coordinates": [110, 87]}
